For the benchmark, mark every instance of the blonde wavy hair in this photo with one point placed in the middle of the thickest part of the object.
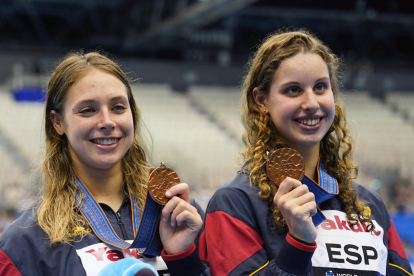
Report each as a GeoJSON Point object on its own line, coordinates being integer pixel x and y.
{"type": "Point", "coordinates": [261, 135]}
{"type": "Point", "coordinates": [57, 213]}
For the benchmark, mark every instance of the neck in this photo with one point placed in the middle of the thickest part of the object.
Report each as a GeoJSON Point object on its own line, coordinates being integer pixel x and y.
{"type": "Point", "coordinates": [105, 185]}
{"type": "Point", "coordinates": [310, 157]}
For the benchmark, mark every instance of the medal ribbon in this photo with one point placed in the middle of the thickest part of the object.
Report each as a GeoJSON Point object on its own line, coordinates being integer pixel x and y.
{"type": "Point", "coordinates": [146, 236]}
{"type": "Point", "coordinates": [327, 188]}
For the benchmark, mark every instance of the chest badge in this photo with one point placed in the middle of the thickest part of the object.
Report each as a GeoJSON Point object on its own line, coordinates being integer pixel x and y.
{"type": "Point", "coordinates": [79, 230]}
{"type": "Point", "coordinates": [367, 212]}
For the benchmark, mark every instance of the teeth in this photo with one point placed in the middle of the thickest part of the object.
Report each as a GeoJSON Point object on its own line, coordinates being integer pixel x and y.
{"type": "Point", "coordinates": [105, 141]}
{"type": "Point", "coordinates": [310, 122]}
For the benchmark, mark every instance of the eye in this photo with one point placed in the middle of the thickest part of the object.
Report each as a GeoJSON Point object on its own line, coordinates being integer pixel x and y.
{"type": "Point", "coordinates": [292, 91]}
{"type": "Point", "coordinates": [87, 110]}
{"type": "Point", "coordinates": [119, 108]}
{"type": "Point", "coordinates": [320, 86]}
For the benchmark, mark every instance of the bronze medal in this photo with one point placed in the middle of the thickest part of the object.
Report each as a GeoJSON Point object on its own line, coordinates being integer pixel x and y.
{"type": "Point", "coordinates": [285, 162]}
{"type": "Point", "coordinates": [160, 181]}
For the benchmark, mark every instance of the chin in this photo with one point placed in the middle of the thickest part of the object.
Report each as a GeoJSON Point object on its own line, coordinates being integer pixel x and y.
{"type": "Point", "coordinates": [106, 165]}
{"type": "Point", "coordinates": [307, 143]}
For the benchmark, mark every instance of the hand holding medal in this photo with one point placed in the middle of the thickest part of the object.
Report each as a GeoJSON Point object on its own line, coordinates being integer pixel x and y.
{"type": "Point", "coordinates": [285, 167]}
{"type": "Point", "coordinates": [180, 221]}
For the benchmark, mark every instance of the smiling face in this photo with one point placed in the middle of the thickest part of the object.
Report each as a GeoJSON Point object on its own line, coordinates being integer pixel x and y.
{"type": "Point", "coordinates": [300, 101]}
{"type": "Point", "coordinates": [97, 121]}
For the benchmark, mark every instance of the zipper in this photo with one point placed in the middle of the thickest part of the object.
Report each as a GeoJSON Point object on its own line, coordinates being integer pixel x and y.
{"type": "Point", "coordinates": [121, 225]}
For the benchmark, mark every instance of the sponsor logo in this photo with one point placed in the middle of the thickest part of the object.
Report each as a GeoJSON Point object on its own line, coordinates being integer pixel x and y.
{"type": "Point", "coordinates": [113, 255]}
{"type": "Point", "coordinates": [338, 224]}
{"type": "Point", "coordinates": [97, 256]}
{"type": "Point", "coordinates": [344, 272]}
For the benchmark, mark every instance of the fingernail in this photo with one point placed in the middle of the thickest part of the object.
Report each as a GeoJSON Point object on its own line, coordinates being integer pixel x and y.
{"type": "Point", "coordinates": [168, 193]}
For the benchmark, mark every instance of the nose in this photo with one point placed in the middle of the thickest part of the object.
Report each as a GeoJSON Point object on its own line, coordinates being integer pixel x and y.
{"type": "Point", "coordinates": [105, 120]}
{"type": "Point", "coordinates": [310, 101]}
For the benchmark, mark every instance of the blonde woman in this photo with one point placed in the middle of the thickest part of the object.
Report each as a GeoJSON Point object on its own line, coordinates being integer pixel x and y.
{"type": "Point", "coordinates": [95, 176]}
{"type": "Point", "coordinates": [291, 99]}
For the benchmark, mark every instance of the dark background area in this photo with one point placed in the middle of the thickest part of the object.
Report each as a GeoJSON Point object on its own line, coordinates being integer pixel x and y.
{"type": "Point", "coordinates": [374, 38]}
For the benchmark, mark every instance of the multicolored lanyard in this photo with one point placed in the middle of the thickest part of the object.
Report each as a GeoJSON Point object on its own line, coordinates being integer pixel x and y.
{"type": "Point", "coordinates": [145, 227]}
{"type": "Point", "coordinates": [326, 188]}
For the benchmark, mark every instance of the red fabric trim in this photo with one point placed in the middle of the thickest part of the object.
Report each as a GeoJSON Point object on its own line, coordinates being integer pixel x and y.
{"type": "Point", "coordinates": [299, 245]}
{"type": "Point", "coordinates": [394, 242]}
{"type": "Point", "coordinates": [178, 256]}
{"type": "Point", "coordinates": [226, 242]}
{"type": "Point", "coordinates": [7, 267]}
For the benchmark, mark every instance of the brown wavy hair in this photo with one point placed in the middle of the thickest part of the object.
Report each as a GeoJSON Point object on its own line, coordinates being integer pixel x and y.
{"type": "Point", "coordinates": [261, 135]}
{"type": "Point", "coordinates": [57, 213]}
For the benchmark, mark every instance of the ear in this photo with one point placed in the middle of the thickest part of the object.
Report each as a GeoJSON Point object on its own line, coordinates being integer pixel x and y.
{"type": "Point", "coordinates": [56, 119]}
{"type": "Point", "coordinates": [261, 99]}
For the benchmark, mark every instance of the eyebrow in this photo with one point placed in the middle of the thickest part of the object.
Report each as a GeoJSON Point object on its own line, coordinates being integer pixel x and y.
{"type": "Point", "coordinates": [94, 101]}
{"type": "Point", "coordinates": [297, 83]}
{"type": "Point", "coordinates": [91, 101]}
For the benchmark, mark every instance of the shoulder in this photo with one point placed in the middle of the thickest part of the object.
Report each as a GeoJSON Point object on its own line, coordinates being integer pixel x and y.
{"type": "Point", "coordinates": [23, 241]}
{"type": "Point", "coordinates": [240, 184]}
{"type": "Point", "coordinates": [370, 197]}
{"type": "Point", "coordinates": [237, 191]}
{"type": "Point", "coordinates": [27, 247]}
{"type": "Point", "coordinates": [238, 200]}
{"type": "Point", "coordinates": [375, 203]}
{"type": "Point", "coordinates": [367, 194]}
{"type": "Point", "coordinates": [23, 228]}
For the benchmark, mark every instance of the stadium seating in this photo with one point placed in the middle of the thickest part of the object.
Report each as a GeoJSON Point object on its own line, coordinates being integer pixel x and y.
{"type": "Point", "coordinates": [22, 124]}
{"type": "Point", "coordinates": [403, 102]}
{"type": "Point", "coordinates": [185, 139]}
{"type": "Point", "coordinates": [199, 133]}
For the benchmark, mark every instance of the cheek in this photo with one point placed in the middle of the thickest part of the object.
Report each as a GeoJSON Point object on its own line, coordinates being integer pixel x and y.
{"type": "Point", "coordinates": [332, 106]}
{"type": "Point", "coordinates": [127, 124]}
{"type": "Point", "coordinates": [76, 129]}
{"type": "Point", "coordinates": [329, 103]}
{"type": "Point", "coordinates": [283, 109]}
{"type": "Point", "coordinates": [330, 109]}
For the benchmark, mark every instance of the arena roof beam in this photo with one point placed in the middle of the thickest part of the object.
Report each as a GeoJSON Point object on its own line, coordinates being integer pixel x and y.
{"type": "Point", "coordinates": [193, 17]}
{"type": "Point", "coordinates": [79, 2]}
{"type": "Point", "coordinates": [357, 15]}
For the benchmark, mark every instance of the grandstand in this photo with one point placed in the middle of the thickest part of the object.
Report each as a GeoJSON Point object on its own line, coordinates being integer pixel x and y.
{"type": "Point", "coordinates": [383, 137]}
{"type": "Point", "coordinates": [185, 139]}
{"type": "Point", "coordinates": [403, 102]}
{"type": "Point", "coordinates": [199, 133]}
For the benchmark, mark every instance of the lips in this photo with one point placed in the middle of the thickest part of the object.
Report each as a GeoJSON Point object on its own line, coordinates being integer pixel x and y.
{"type": "Point", "coordinates": [310, 122]}
{"type": "Point", "coordinates": [105, 141]}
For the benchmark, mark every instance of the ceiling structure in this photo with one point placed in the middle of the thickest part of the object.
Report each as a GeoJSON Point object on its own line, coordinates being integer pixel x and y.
{"type": "Point", "coordinates": [210, 31]}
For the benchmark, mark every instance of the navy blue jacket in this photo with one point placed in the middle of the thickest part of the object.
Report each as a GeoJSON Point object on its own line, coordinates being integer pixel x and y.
{"type": "Point", "coordinates": [25, 250]}
{"type": "Point", "coordinates": [249, 244]}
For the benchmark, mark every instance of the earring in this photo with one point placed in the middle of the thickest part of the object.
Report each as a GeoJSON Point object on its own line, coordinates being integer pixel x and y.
{"type": "Point", "coordinates": [265, 111]}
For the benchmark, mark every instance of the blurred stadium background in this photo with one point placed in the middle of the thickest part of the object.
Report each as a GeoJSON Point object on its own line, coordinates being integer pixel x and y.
{"type": "Point", "coordinates": [190, 57]}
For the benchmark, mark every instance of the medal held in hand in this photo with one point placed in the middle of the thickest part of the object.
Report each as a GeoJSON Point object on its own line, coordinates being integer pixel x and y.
{"type": "Point", "coordinates": [283, 163]}
{"type": "Point", "coordinates": [287, 162]}
{"type": "Point", "coordinates": [160, 181]}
